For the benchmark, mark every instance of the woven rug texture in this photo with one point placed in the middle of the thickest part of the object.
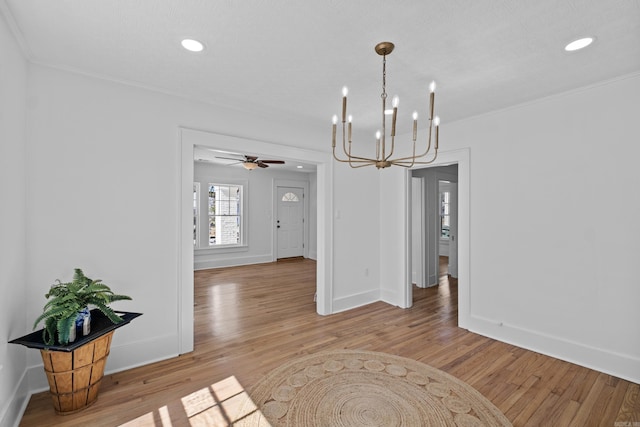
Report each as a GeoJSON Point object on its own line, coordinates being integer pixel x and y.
{"type": "Point", "coordinates": [363, 388]}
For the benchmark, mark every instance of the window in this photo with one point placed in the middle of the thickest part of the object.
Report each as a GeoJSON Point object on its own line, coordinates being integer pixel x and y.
{"type": "Point", "coordinates": [444, 214]}
{"type": "Point", "coordinates": [218, 215]}
{"type": "Point", "coordinates": [225, 214]}
{"type": "Point", "coordinates": [290, 197]}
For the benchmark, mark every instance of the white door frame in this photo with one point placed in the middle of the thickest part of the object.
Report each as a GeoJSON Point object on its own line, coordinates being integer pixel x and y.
{"type": "Point", "coordinates": [305, 213]}
{"type": "Point", "coordinates": [418, 236]}
{"type": "Point", "coordinates": [453, 231]}
{"type": "Point", "coordinates": [462, 158]}
{"type": "Point", "coordinates": [188, 139]}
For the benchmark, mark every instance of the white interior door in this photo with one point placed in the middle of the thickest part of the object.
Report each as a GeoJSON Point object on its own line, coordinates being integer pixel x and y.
{"type": "Point", "coordinates": [453, 230]}
{"type": "Point", "coordinates": [290, 222]}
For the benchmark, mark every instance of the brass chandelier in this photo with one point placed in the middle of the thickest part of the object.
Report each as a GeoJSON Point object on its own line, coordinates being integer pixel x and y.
{"type": "Point", "coordinates": [383, 159]}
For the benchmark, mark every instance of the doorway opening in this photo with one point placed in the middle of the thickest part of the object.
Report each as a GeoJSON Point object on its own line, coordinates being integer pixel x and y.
{"type": "Point", "coordinates": [191, 138]}
{"type": "Point", "coordinates": [431, 262]}
{"type": "Point", "coordinates": [434, 224]}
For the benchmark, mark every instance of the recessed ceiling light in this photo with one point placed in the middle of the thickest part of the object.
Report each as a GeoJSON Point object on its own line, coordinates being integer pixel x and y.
{"type": "Point", "coordinates": [299, 166]}
{"type": "Point", "coordinates": [578, 44]}
{"type": "Point", "coordinates": [192, 45]}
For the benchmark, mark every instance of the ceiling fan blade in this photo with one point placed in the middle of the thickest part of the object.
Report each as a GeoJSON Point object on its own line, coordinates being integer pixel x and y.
{"type": "Point", "coordinates": [275, 162]}
{"type": "Point", "coordinates": [262, 164]}
{"type": "Point", "coordinates": [251, 158]}
{"type": "Point", "coordinates": [229, 158]}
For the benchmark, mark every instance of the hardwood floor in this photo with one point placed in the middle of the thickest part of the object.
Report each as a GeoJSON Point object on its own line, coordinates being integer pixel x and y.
{"type": "Point", "coordinates": [251, 319]}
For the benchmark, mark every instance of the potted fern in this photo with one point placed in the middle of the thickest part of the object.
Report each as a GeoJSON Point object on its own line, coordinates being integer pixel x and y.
{"type": "Point", "coordinates": [75, 367]}
{"type": "Point", "coordinates": [69, 303]}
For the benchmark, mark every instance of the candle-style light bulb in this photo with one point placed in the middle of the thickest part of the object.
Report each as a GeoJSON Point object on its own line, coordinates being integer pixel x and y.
{"type": "Point", "coordinates": [415, 115]}
{"type": "Point", "coordinates": [345, 91]}
{"type": "Point", "coordinates": [334, 119]}
{"type": "Point", "coordinates": [415, 125]}
{"type": "Point", "coordinates": [432, 89]}
{"type": "Point", "coordinates": [395, 101]}
{"type": "Point", "coordinates": [378, 135]}
{"type": "Point", "coordinates": [436, 121]}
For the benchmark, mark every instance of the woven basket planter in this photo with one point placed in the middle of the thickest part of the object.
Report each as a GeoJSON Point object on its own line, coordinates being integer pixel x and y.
{"type": "Point", "coordinates": [74, 377]}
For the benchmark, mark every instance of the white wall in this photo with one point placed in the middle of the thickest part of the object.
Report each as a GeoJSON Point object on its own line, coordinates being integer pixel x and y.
{"type": "Point", "coordinates": [356, 237]}
{"type": "Point", "coordinates": [259, 213]}
{"type": "Point", "coordinates": [104, 160]}
{"type": "Point", "coordinates": [13, 281]}
{"type": "Point", "coordinates": [543, 274]}
{"type": "Point", "coordinates": [395, 242]}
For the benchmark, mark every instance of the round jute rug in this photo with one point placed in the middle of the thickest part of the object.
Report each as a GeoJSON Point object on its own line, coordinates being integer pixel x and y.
{"type": "Point", "coordinates": [363, 388]}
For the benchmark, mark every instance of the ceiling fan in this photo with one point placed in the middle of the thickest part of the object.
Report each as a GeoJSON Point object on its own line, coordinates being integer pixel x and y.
{"type": "Point", "coordinates": [252, 162]}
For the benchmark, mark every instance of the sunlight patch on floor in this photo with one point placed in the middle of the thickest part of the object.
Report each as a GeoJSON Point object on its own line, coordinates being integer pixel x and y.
{"type": "Point", "coordinates": [220, 404]}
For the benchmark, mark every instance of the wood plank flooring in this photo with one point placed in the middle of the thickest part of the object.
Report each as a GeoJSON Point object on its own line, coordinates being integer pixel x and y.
{"type": "Point", "coordinates": [251, 319]}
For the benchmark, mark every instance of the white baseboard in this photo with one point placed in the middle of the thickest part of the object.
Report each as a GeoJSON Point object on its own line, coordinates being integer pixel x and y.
{"type": "Point", "coordinates": [356, 300]}
{"type": "Point", "coordinates": [14, 408]}
{"type": "Point", "coordinates": [619, 365]}
{"type": "Point", "coordinates": [391, 297]}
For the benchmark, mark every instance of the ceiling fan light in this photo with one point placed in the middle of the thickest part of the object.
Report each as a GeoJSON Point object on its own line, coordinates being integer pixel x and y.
{"type": "Point", "coordinates": [249, 165]}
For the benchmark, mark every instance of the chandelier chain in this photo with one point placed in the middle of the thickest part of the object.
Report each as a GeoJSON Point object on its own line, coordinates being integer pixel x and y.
{"type": "Point", "coordinates": [384, 77]}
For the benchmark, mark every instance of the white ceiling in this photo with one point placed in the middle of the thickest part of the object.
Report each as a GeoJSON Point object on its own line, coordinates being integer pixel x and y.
{"type": "Point", "coordinates": [290, 58]}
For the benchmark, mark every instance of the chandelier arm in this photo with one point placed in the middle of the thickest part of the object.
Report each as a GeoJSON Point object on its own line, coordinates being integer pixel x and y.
{"type": "Point", "coordinates": [408, 158]}
{"type": "Point", "coordinates": [361, 166]}
{"type": "Point", "coordinates": [344, 142]}
{"type": "Point", "coordinates": [347, 152]}
{"type": "Point", "coordinates": [425, 151]}
{"type": "Point", "coordinates": [401, 163]}
{"type": "Point", "coordinates": [413, 157]}
{"type": "Point", "coordinates": [351, 161]}
{"type": "Point", "coordinates": [393, 144]}
{"type": "Point", "coordinates": [351, 158]}
{"type": "Point", "coordinates": [364, 159]}
{"type": "Point", "coordinates": [415, 137]}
